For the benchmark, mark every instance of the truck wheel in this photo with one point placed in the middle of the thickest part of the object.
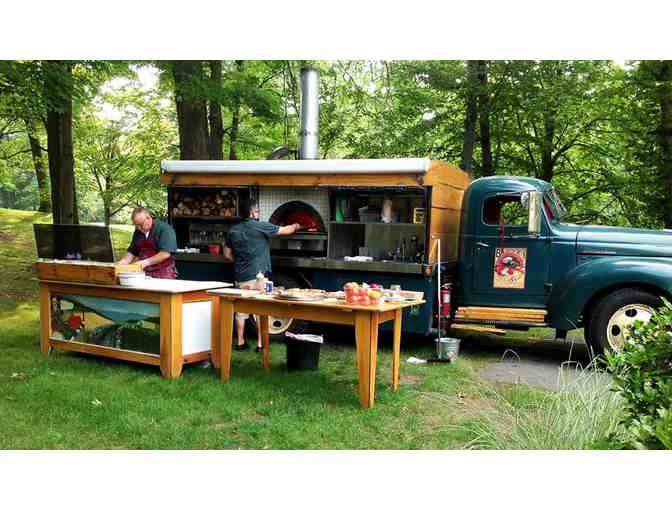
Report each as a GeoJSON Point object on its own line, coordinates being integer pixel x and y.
{"type": "Point", "coordinates": [278, 326]}
{"type": "Point", "coordinates": [608, 326]}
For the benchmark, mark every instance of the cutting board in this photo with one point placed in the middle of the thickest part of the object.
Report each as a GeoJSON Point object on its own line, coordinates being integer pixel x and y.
{"type": "Point", "coordinates": [82, 271]}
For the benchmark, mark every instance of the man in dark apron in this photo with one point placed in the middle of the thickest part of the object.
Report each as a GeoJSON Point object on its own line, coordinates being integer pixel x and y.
{"type": "Point", "coordinates": [152, 245]}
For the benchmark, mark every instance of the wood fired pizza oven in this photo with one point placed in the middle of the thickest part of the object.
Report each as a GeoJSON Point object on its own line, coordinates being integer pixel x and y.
{"type": "Point", "coordinates": [297, 211]}
{"type": "Point", "coordinates": [309, 241]}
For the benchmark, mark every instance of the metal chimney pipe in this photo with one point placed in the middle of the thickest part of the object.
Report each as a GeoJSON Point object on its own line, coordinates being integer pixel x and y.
{"type": "Point", "coordinates": [309, 145]}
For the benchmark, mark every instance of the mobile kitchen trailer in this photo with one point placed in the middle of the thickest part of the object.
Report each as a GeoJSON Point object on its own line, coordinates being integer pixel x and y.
{"type": "Point", "coordinates": [341, 202]}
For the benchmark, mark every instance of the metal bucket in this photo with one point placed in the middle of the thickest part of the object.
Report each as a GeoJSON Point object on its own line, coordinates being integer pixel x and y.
{"type": "Point", "coordinates": [448, 348]}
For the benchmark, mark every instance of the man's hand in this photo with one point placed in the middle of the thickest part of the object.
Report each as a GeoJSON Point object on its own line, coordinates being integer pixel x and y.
{"type": "Point", "coordinates": [126, 259]}
{"type": "Point", "coordinates": [159, 257]}
{"type": "Point", "coordinates": [289, 229]}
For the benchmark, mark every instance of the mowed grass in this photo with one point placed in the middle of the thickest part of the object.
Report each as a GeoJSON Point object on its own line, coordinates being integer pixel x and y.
{"type": "Point", "coordinates": [72, 401]}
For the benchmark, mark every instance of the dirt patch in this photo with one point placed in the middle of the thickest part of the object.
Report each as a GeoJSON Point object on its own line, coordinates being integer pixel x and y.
{"type": "Point", "coordinates": [450, 409]}
{"type": "Point", "coordinates": [18, 296]}
{"type": "Point", "coordinates": [409, 379]}
{"type": "Point", "coordinates": [7, 238]}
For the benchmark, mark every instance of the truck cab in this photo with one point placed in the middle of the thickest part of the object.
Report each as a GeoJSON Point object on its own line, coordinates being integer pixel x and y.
{"type": "Point", "coordinates": [520, 265]}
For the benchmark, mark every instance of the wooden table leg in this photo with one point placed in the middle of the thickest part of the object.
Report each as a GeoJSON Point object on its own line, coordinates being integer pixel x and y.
{"type": "Point", "coordinates": [366, 337]}
{"type": "Point", "coordinates": [225, 338]}
{"type": "Point", "coordinates": [45, 318]}
{"type": "Point", "coordinates": [396, 348]}
{"type": "Point", "coordinates": [265, 341]}
{"type": "Point", "coordinates": [216, 325]}
{"type": "Point", "coordinates": [171, 335]}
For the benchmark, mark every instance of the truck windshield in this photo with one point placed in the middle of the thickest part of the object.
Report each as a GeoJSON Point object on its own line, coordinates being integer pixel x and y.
{"type": "Point", "coordinates": [554, 205]}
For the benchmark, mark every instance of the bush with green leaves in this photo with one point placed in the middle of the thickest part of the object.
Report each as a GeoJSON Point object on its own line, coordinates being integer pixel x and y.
{"type": "Point", "coordinates": [643, 376]}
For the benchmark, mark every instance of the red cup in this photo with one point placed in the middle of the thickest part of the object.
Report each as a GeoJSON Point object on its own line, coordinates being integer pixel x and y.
{"type": "Point", "coordinates": [214, 249]}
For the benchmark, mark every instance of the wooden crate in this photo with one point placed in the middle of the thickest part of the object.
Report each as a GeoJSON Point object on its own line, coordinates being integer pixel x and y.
{"type": "Point", "coordinates": [82, 271]}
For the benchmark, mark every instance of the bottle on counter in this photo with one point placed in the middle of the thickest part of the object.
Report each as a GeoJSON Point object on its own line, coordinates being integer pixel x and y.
{"type": "Point", "coordinates": [261, 282]}
{"type": "Point", "coordinates": [413, 249]}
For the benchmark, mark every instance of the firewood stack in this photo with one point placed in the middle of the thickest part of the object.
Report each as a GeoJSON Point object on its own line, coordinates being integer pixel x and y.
{"type": "Point", "coordinates": [222, 203]}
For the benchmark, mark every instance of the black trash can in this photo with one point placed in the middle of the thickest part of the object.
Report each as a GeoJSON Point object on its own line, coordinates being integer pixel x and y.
{"type": "Point", "coordinates": [302, 355]}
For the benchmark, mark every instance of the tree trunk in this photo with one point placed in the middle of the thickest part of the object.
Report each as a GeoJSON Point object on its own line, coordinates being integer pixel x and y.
{"type": "Point", "coordinates": [547, 163]}
{"type": "Point", "coordinates": [470, 117]}
{"type": "Point", "coordinates": [58, 85]}
{"type": "Point", "coordinates": [484, 119]}
{"type": "Point", "coordinates": [40, 171]}
{"type": "Point", "coordinates": [215, 142]}
{"type": "Point", "coordinates": [192, 120]}
{"type": "Point", "coordinates": [664, 131]}
{"type": "Point", "coordinates": [235, 120]}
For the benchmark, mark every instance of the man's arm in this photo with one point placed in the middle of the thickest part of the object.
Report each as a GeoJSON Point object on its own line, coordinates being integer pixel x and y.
{"type": "Point", "coordinates": [228, 254]}
{"type": "Point", "coordinates": [127, 259]}
{"type": "Point", "coordinates": [288, 229]}
{"type": "Point", "coordinates": [156, 259]}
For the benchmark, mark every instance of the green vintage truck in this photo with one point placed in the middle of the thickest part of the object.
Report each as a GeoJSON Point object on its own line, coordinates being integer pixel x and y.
{"type": "Point", "coordinates": [520, 265]}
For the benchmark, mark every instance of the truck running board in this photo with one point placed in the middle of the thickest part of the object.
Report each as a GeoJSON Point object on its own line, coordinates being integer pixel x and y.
{"type": "Point", "coordinates": [478, 329]}
{"type": "Point", "coordinates": [481, 313]}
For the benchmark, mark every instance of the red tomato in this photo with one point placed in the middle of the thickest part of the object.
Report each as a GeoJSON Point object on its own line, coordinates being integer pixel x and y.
{"type": "Point", "coordinates": [347, 286]}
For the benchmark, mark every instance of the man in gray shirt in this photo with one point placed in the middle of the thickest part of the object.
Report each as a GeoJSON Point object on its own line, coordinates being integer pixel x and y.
{"type": "Point", "coordinates": [248, 245]}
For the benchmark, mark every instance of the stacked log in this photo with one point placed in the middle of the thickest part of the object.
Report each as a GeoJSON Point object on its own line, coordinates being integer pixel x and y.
{"type": "Point", "coordinates": [501, 314]}
{"type": "Point", "coordinates": [219, 203]}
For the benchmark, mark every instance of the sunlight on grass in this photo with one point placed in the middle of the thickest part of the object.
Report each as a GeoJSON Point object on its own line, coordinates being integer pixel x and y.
{"type": "Point", "coordinates": [18, 251]}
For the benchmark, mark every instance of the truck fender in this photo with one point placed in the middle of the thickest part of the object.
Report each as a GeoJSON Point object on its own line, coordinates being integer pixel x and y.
{"type": "Point", "coordinates": [570, 295]}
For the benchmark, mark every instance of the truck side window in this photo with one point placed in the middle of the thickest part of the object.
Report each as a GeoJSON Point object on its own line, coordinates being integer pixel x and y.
{"type": "Point", "coordinates": [505, 209]}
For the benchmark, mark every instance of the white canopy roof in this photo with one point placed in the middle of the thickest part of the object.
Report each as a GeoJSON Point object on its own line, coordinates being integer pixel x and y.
{"type": "Point", "coordinates": [301, 166]}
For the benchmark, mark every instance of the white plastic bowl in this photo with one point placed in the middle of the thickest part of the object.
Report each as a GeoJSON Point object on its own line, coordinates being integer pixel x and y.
{"type": "Point", "coordinates": [131, 279]}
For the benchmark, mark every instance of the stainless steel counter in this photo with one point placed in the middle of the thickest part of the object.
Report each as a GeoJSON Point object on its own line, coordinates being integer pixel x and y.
{"type": "Point", "coordinates": [315, 263]}
{"type": "Point", "coordinates": [323, 263]}
{"type": "Point", "coordinates": [201, 257]}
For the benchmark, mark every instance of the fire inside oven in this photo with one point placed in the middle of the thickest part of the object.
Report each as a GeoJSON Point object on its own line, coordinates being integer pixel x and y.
{"type": "Point", "coordinates": [310, 240]}
{"type": "Point", "coordinates": [299, 212]}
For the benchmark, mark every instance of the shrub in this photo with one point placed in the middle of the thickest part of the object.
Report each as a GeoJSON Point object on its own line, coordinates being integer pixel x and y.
{"type": "Point", "coordinates": [643, 377]}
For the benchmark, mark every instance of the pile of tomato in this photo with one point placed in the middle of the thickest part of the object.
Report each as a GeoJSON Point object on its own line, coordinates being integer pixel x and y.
{"type": "Point", "coordinates": [362, 294]}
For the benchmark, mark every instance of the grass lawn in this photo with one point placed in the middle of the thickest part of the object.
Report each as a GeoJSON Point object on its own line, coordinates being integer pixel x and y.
{"type": "Point", "coordinates": [72, 401]}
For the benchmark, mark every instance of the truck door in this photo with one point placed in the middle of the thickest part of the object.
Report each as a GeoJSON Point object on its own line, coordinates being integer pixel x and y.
{"type": "Point", "coordinates": [511, 266]}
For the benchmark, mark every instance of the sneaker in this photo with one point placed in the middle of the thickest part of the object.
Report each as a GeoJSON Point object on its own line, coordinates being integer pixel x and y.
{"type": "Point", "coordinates": [242, 347]}
{"type": "Point", "coordinates": [258, 349]}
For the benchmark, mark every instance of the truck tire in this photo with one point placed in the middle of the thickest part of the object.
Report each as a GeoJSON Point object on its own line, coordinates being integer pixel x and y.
{"type": "Point", "coordinates": [278, 326]}
{"type": "Point", "coordinates": [606, 329]}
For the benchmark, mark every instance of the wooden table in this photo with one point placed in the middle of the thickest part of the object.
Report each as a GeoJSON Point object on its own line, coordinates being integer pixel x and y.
{"type": "Point", "coordinates": [365, 320]}
{"type": "Point", "coordinates": [174, 297]}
